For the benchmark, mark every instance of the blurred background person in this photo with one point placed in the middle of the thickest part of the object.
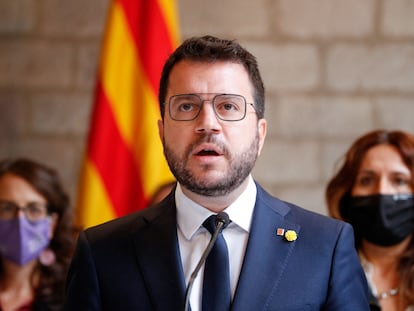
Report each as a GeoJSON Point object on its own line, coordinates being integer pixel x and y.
{"type": "Point", "coordinates": [36, 236]}
{"type": "Point", "coordinates": [373, 190]}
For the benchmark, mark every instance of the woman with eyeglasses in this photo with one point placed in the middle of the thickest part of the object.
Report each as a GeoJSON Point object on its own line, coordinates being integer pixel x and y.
{"type": "Point", "coordinates": [36, 237]}
{"type": "Point", "coordinates": [373, 190]}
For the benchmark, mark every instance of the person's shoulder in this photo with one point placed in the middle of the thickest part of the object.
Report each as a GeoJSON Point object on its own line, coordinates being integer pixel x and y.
{"type": "Point", "coordinates": [310, 218]}
{"type": "Point", "coordinates": [298, 214]}
{"type": "Point", "coordinates": [125, 225]}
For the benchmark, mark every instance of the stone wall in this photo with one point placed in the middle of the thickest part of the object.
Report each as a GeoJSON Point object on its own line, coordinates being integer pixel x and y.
{"type": "Point", "coordinates": [333, 70]}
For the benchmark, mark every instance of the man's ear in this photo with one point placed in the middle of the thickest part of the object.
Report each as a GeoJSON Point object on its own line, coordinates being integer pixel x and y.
{"type": "Point", "coordinates": [262, 131]}
{"type": "Point", "coordinates": [161, 129]}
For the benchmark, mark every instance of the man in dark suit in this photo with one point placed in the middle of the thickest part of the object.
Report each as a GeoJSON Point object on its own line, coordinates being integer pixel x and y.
{"type": "Point", "coordinates": [275, 255]}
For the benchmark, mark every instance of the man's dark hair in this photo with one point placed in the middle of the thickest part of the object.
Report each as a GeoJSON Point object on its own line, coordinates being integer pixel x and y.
{"type": "Point", "coordinates": [211, 49]}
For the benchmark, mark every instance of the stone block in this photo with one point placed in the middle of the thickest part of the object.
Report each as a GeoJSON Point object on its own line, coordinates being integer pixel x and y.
{"type": "Point", "coordinates": [232, 18]}
{"type": "Point", "coordinates": [87, 59]}
{"type": "Point", "coordinates": [37, 64]}
{"type": "Point", "coordinates": [309, 116]}
{"type": "Point", "coordinates": [310, 196]}
{"type": "Point", "coordinates": [61, 114]}
{"type": "Point", "coordinates": [287, 67]}
{"type": "Point", "coordinates": [325, 18]}
{"type": "Point", "coordinates": [288, 161]}
{"type": "Point", "coordinates": [398, 18]}
{"type": "Point", "coordinates": [14, 111]}
{"type": "Point", "coordinates": [395, 113]}
{"type": "Point", "coordinates": [17, 16]}
{"type": "Point", "coordinates": [75, 18]}
{"type": "Point", "coordinates": [379, 67]}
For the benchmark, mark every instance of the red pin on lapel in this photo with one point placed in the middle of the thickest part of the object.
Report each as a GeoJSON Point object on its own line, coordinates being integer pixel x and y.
{"type": "Point", "coordinates": [280, 231]}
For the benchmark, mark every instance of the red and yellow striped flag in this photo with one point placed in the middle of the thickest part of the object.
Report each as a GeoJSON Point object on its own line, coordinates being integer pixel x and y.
{"type": "Point", "coordinates": [124, 162]}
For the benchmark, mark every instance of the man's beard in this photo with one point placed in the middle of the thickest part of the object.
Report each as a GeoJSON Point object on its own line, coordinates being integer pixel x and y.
{"type": "Point", "coordinates": [240, 166]}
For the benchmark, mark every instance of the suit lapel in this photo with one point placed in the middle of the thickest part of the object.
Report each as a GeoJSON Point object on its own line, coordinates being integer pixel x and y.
{"type": "Point", "coordinates": [266, 256]}
{"type": "Point", "coordinates": [158, 256]}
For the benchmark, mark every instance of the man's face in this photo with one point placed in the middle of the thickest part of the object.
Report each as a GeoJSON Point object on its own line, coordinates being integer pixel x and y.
{"type": "Point", "coordinates": [209, 156]}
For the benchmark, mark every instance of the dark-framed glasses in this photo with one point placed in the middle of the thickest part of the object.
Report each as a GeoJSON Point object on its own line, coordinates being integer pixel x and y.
{"type": "Point", "coordinates": [32, 211]}
{"type": "Point", "coordinates": [227, 107]}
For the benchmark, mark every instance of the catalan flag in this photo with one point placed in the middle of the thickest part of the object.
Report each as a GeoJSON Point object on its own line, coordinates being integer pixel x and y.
{"type": "Point", "coordinates": [124, 163]}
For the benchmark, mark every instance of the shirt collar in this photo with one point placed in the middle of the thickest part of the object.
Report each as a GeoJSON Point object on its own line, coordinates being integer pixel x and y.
{"type": "Point", "coordinates": [190, 215]}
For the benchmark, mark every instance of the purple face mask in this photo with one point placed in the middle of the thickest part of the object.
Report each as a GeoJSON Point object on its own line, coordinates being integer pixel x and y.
{"type": "Point", "coordinates": [21, 240]}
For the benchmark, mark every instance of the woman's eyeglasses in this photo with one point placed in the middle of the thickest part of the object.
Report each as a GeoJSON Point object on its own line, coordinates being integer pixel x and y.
{"type": "Point", "coordinates": [32, 211]}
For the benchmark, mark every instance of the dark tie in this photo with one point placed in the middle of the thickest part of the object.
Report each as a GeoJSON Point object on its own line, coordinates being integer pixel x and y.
{"type": "Point", "coordinates": [216, 285]}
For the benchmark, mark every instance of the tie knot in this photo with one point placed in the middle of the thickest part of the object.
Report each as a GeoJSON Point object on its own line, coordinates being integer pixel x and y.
{"type": "Point", "coordinates": [210, 224]}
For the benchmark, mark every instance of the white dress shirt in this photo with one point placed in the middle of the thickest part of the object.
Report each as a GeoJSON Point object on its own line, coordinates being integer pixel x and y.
{"type": "Point", "coordinates": [193, 237]}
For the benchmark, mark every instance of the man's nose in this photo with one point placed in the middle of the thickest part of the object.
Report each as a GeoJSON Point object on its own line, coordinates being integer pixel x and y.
{"type": "Point", "coordinates": [207, 118]}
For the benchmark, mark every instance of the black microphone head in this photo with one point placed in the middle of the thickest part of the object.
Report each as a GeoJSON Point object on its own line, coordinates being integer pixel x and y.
{"type": "Point", "coordinates": [223, 218]}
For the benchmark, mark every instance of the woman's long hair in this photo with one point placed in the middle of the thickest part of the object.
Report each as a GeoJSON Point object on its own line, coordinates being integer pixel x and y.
{"type": "Point", "coordinates": [49, 290]}
{"type": "Point", "coordinates": [340, 186]}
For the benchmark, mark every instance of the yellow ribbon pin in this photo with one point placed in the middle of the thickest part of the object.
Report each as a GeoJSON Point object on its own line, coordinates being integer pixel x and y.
{"type": "Point", "coordinates": [291, 235]}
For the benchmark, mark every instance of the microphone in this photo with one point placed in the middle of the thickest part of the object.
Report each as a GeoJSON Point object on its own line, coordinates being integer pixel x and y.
{"type": "Point", "coordinates": [222, 221]}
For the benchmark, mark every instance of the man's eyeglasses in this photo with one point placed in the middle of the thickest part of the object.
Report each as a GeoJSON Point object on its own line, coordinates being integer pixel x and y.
{"type": "Point", "coordinates": [33, 211]}
{"type": "Point", "coordinates": [227, 107]}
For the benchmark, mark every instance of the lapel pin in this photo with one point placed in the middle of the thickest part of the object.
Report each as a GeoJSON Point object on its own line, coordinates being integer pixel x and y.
{"type": "Point", "coordinates": [290, 235]}
{"type": "Point", "coordinates": [280, 231]}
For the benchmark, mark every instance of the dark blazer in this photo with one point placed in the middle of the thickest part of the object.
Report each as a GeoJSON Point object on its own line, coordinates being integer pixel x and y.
{"type": "Point", "coordinates": [133, 263]}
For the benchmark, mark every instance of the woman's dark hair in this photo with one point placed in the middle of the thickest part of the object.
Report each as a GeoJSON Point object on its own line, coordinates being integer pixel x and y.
{"type": "Point", "coordinates": [50, 289]}
{"type": "Point", "coordinates": [340, 186]}
{"type": "Point", "coordinates": [210, 49]}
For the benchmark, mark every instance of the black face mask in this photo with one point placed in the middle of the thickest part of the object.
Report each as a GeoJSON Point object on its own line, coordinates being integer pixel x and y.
{"type": "Point", "coordinates": [383, 220]}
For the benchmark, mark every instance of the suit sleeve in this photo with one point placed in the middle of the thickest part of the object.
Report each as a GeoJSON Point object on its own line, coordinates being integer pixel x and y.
{"type": "Point", "coordinates": [348, 290]}
{"type": "Point", "coordinates": [82, 289]}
